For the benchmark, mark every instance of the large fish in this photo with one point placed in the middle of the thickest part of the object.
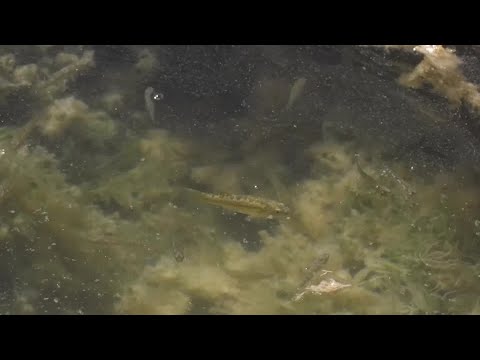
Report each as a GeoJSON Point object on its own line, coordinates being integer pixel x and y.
{"type": "Point", "coordinates": [254, 207]}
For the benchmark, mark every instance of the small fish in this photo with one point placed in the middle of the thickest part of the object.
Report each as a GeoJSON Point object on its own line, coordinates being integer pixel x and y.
{"type": "Point", "coordinates": [314, 267]}
{"type": "Point", "coordinates": [296, 91]}
{"type": "Point", "coordinates": [406, 188]}
{"type": "Point", "coordinates": [178, 251]}
{"type": "Point", "coordinates": [254, 207]}
{"type": "Point", "coordinates": [149, 104]}
{"type": "Point", "coordinates": [382, 189]}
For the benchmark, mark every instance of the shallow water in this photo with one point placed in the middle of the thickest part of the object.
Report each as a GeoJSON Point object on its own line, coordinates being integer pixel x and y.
{"type": "Point", "coordinates": [379, 171]}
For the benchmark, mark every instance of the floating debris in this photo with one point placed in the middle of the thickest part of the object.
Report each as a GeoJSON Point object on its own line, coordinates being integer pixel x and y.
{"type": "Point", "coordinates": [325, 286]}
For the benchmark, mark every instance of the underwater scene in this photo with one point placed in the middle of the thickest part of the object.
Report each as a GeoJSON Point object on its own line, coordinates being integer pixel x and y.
{"type": "Point", "coordinates": [239, 179]}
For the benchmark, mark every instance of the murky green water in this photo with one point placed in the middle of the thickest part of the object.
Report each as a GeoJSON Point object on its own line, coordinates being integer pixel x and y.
{"type": "Point", "coordinates": [375, 158]}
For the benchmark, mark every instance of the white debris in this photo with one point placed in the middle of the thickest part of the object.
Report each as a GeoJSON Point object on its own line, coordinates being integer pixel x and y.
{"type": "Point", "coordinates": [325, 286]}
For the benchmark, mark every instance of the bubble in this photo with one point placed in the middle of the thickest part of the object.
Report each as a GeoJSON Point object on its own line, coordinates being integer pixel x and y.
{"type": "Point", "coordinates": [158, 96]}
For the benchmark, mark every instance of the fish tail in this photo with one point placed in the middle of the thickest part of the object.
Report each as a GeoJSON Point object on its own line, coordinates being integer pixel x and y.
{"type": "Point", "coordinates": [189, 194]}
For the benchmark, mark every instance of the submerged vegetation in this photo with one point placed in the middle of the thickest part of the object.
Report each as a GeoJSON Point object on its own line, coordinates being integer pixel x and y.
{"type": "Point", "coordinates": [125, 201]}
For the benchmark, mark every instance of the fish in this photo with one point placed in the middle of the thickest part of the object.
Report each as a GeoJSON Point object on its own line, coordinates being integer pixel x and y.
{"type": "Point", "coordinates": [314, 267]}
{"type": "Point", "coordinates": [149, 104]}
{"type": "Point", "coordinates": [407, 190]}
{"type": "Point", "coordinates": [296, 91]}
{"type": "Point", "coordinates": [383, 190]}
{"type": "Point", "coordinates": [178, 251]}
{"type": "Point", "coordinates": [254, 207]}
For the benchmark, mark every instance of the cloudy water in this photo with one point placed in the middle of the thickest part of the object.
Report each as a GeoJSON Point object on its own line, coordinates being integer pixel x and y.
{"type": "Point", "coordinates": [239, 179]}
